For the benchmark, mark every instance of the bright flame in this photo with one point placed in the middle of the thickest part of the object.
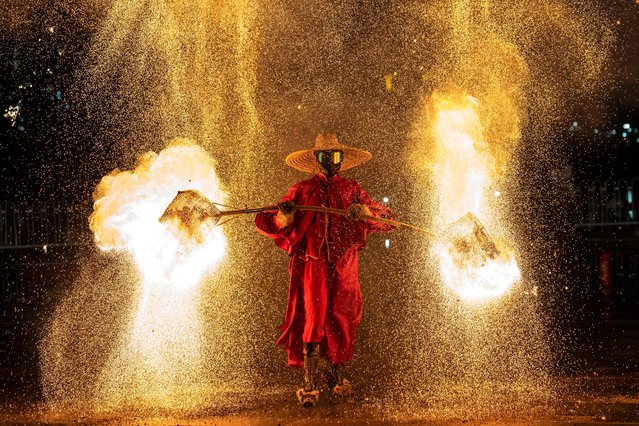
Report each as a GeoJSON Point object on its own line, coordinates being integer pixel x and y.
{"type": "Point", "coordinates": [485, 282]}
{"type": "Point", "coordinates": [128, 205]}
{"type": "Point", "coordinates": [463, 172]}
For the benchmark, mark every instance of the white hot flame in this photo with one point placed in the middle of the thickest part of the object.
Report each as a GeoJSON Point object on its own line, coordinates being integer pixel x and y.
{"type": "Point", "coordinates": [463, 176]}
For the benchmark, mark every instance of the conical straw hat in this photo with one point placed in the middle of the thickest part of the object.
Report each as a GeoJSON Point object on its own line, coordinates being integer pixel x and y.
{"type": "Point", "coordinates": [305, 160]}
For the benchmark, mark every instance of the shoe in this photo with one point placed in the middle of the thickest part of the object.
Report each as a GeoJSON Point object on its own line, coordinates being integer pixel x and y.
{"type": "Point", "coordinates": [343, 389]}
{"type": "Point", "coordinates": [308, 399]}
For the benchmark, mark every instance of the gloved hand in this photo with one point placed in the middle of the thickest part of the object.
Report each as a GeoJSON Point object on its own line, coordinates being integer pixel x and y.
{"type": "Point", "coordinates": [356, 211]}
{"type": "Point", "coordinates": [286, 207]}
{"type": "Point", "coordinates": [285, 212]}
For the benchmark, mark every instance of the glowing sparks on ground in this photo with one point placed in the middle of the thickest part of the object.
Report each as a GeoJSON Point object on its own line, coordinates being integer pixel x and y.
{"type": "Point", "coordinates": [158, 365]}
{"type": "Point", "coordinates": [463, 175]}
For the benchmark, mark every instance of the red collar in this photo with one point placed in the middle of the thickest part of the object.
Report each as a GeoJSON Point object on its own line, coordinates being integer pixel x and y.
{"type": "Point", "coordinates": [321, 177]}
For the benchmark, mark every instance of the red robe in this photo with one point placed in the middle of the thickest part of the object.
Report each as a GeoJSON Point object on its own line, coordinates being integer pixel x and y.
{"type": "Point", "coordinates": [324, 297]}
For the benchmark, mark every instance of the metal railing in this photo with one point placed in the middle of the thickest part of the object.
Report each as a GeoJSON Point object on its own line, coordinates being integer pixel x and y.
{"type": "Point", "coordinates": [608, 213]}
{"type": "Point", "coordinates": [28, 228]}
{"type": "Point", "coordinates": [607, 203]}
{"type": "Point", "coordinates": [31, 225]}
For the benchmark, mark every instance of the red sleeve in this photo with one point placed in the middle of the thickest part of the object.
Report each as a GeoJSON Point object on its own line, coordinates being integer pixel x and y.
{"type": "Point", "coordinates": [378, 210]}
{"type": "Point", "coordinates": [286, 237]}
{"type": "Point", "coordinates": [266, 223]}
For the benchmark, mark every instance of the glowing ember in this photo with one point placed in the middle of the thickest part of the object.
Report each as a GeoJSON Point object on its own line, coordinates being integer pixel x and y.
{"type": "Point", "coordinates": [11, 114]}
{"type": "Point", "coordinates": [463, 174]}
{"type": "Point", "coordinates": [128, 205]}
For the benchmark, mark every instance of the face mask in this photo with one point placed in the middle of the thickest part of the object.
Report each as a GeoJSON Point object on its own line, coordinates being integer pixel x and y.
{"type": "Point", "coordinates": [330, 161]}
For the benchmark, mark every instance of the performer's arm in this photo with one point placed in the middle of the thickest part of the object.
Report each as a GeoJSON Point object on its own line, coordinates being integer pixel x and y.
{"type": "Point", "coordinates": [291, 226]}
{"type": "Point", "coordinates": [378, 210]}
{"type": "Point", "coordinates": [273, 224]}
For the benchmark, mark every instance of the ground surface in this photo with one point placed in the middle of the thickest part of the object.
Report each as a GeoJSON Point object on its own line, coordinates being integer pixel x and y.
{"type": "Point", "coordinates": [606, 399]}
{"type": "Point", "coordinates": [603, 389]}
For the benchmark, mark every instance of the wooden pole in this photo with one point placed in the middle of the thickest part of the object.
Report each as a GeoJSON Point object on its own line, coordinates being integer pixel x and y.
{"type": "Point", "coordinates": [331, 210]}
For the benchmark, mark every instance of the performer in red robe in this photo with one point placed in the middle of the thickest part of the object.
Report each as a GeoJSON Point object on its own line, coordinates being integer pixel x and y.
{"type": "Point", "coordinates": [324, 298]}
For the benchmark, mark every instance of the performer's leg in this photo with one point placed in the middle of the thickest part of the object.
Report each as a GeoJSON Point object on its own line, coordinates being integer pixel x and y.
{"type": "Point", "coordinates": [333, 375]}
{"type": "Point", "coordinates": [311, 366]}
{"type": "Point", "coordinates": [314, 293]}
{"type": "Point", "coordinates": [337, 382]}
{"type": "Point", "coordinates": [309, 394]}
{"type": "Point", "coordinates": [343, 315]}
